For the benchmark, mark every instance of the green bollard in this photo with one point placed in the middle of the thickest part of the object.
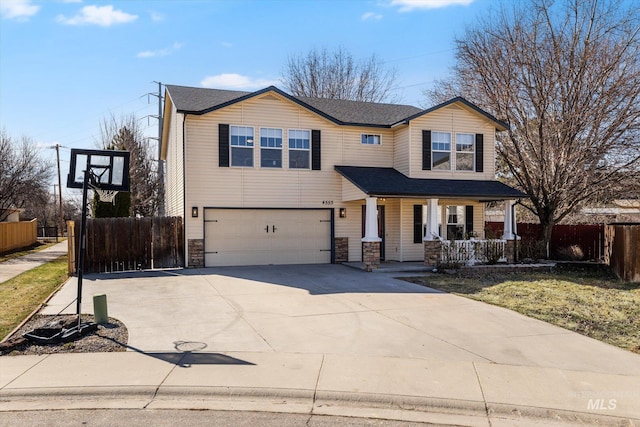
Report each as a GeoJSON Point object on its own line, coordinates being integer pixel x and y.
{"type": "Point", "coordinates": [100, 309]}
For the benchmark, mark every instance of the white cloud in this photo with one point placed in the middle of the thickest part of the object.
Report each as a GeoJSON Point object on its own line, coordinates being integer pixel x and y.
{"type": "Point", "coordinates": [104, 16]}
{"type": "Point", "coordinates": [19, 10]}
{"type": "Point", "coordinates": [159, 52]}
{"type": "Point", "coordinates": [370, 16]}
{"type": "Point", "coordinates": [409, 5]}
{"type": "Point", "coordinates": [156, 16]}
{"type": "Point", "coordinates": [235, 81]}
{"type": "Point", "coordinates": [226, 44]}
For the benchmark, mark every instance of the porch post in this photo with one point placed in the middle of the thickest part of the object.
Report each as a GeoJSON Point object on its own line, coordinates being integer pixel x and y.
{"type": "Point", "coordinates": [371, 240]}
{"type": "Point", "coordinates": [431, 230]}
{"type": "Point", "coordinates": [508, 220]}
{"type": "Point", "coordinates": [371, 221]}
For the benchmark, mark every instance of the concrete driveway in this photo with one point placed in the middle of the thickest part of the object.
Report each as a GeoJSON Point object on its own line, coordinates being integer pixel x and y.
{"type": "Point", "coordinates": [331, 309]}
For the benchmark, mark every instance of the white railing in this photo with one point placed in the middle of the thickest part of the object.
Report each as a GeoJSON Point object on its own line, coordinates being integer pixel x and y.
{"type": "Point", "coordinates": [471, 252]}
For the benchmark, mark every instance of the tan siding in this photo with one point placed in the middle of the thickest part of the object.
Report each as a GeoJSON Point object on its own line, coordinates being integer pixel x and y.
{"type": "Point", "coordinates": [350, 191]}
{"type": "Point", "coordinates": [392, 238]}
{"type": "Point", "coordinates": [402, 148]}
{"type": "Point", "coordinates": [175, 167]}
{"type": "Point", "coordinates": [412, 251]}
{"type": "Point", "coordinates": [452, 119]}
{"type": "Point", "coordinates": [355, 153]}
{"type": "Point", "coordinates": [351, 227]}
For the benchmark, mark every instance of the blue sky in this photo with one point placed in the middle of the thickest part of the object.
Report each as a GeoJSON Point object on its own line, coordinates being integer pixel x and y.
{"type": "Point", "coordinates": [67, 64]}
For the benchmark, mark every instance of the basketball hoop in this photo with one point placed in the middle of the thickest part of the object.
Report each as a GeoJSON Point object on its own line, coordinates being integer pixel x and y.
{"type": "Point", "coordinates": [106, 195]}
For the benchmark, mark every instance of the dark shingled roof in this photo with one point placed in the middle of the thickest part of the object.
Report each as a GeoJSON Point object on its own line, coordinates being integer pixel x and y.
{"type": "Point", "coordinates": [197, 99]}
{"type": "Point", "coordinates": [390, 182]}
{"type": "Point", "coordinates": [201, 101]}
{"type": "Point", "coordinates": [361, 113]}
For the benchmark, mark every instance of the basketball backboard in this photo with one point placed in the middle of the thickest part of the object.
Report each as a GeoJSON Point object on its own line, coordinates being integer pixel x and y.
{"type": "Point", "coordinates": [108, 169]}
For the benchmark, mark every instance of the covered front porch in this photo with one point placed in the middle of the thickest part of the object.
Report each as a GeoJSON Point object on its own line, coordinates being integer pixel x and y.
{"type": "Point", "coordinates": [433, 221]}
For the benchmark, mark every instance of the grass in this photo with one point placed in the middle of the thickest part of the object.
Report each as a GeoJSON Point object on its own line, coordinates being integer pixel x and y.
{"type": "Point", "coordinates": [21, 295]}
{"type": "Point", "coordinates": [36, 247]}
{"type": "Point", "coordinates": [592, 304]}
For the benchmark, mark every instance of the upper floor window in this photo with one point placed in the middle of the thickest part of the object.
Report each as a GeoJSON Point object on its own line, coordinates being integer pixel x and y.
{"type": "Point", "coordinates": [370, 139]}
{"type": "Point", "coordinates": [441, 151]}
{"type": "Point", "coordinates": [270, 148]}
{"type": "Point", "coordinates": [299, 149]}
{"type": "Point", "coordinates": [241, 146]}
{"type": "Point", "coordinates": [465, 151]}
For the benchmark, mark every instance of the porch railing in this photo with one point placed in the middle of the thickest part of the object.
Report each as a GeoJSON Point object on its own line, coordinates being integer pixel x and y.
{"type": "Point", "coordinates": [471, 252]}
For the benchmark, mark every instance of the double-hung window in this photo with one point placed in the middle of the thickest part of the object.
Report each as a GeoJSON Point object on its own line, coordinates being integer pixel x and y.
{"type": "Point", "coordinates": [455, 222]}
{"type": "Point", "coordinates": [368, 139]}
{"type": "Point", "coordinates": [441, 151]}
{"type": "Point", "coordinates": [465, 151]}
{"type": "Point", "coordinates": [270, 148]}
{"type": "Point", "coordinates": [299, 149]}
{"type": "Point", "coordinates": [241, 146]}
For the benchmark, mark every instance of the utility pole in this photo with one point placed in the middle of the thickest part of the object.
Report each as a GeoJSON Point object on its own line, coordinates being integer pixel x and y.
{"type": "Point", "coordinates": [60, 218]}
{"type": "Point", "coordinates": [160, 163]}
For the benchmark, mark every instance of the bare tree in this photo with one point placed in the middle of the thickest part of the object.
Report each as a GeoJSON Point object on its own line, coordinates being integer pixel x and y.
{"type": "Point", "coordinates": [566, 77]}
{"type": "Point", "coordinates": [125, 134]}
{"type": "Point", "coordinates": [337, 75]}
{"type": "Point", "coordinates": [24, 176]}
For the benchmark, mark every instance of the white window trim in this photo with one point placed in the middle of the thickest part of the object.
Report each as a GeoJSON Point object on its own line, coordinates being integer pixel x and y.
{"type": "Point", "coordinates": [272, 148]}
{"type": "Point", "coordinates": [289, 149]}
{"type": "Point", "coordinates": [362, 135]}
{"type": "Point", "coordinates": [252, 147]}
{"type": "Point", "coordinates": [451, 154]}
{"type": "Point", "coordinates": [455, 150]}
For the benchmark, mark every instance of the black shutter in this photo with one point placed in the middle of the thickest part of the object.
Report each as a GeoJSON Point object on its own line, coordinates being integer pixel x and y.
{"type": "Point", "coordinates": [426, 150]}
{"type": "Point", "coordinates": [223, 145]}
{"type": "Point", "coordinates": [417, 223]}
{"type": "Point", "coordinates": [315, 150]}
{"type": "Point", "coordinates": [468, 218]}
{"type": "Point", "coordinates": [479, 152]}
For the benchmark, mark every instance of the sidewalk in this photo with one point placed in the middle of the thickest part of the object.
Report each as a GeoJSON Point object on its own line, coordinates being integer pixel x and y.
{"type": "Point", "coordinates": [434, 391]}
{"type": "Point", "coordinates": [13, 267]}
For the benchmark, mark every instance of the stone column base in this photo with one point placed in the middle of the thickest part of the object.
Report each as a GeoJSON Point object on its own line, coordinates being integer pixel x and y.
{"type": "Point", "coordinates": [196, 253]}
{"type": "Point", "coordinates": [510, 251]}
{"type": "Point", "coordinates": [432, 250]}
{"type": "Point", "coordinates": [341, 247]}
{"type": "Point", "coordinates": [371, 255]}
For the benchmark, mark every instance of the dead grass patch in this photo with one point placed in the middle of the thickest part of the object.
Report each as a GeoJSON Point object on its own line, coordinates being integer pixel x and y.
{"type": "Point", "coordinates": [595, 305]}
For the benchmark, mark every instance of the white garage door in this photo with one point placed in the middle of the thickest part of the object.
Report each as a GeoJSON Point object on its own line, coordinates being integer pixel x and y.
{"type": "Point", "coordinates": [267, 236]}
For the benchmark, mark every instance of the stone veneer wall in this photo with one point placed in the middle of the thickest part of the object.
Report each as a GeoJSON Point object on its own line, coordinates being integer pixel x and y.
{"type": "Point", "coordinates": [371, 255]}
{"type": "Point", "coordinates": [196, 253]}
{"type": "Point", "coordinates": [432, 249]}
{"type": "Point", "coordinates": [510, 251]}
{"type": "Point", "coordinates": [341, 246]}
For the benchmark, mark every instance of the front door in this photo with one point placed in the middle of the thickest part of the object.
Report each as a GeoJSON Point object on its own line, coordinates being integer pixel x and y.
{"type": "Point", "coordinates": [380, 227]}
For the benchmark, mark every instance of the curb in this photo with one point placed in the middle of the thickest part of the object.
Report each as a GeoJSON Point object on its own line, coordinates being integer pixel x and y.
{"type": "Point", "coordinates": [301, 401]}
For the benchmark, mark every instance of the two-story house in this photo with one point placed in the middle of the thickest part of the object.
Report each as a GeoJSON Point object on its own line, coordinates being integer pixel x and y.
{"type": "Point", "coordinates": [268, 178]}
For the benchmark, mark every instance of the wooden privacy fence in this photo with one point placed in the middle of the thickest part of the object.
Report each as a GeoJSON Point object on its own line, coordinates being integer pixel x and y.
{"type": "Point", "coordinates": [590, 237]}
{"type": "Point", "coordinates": [622, 250]}
{"type": "Point", "coordinates": [124, 244]}
{"type": "Point", "coordinates": [16, 235]}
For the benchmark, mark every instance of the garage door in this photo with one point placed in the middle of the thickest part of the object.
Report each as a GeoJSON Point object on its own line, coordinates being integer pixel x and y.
{"type": "Point", "coordinates": [267, 236]}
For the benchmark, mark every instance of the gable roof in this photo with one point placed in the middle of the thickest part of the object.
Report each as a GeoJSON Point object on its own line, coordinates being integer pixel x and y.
{"type": "Point", "coordinates": [191, 100]}
{"type": "Point", "coordinates": [388, 182]}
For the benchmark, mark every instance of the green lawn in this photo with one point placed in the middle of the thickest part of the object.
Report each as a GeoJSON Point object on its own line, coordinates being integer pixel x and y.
{"type": "Point", "coordinates": [594, 305]}
{"type": "Point", "coordinates": [24, 293]}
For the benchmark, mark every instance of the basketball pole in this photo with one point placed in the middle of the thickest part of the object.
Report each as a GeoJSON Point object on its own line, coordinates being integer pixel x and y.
{"type": "Point", "coordinates": [83, 244]}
